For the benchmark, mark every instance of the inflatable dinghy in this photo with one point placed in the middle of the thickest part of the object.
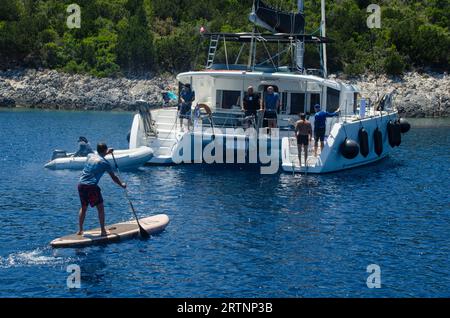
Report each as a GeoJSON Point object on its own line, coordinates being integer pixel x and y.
{"type": "Point", "coordinates": [126, 159]}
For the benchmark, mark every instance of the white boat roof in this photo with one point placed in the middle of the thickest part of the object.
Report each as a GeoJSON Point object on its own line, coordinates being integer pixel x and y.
{"type": "Point", "coordinates": [268, 76]}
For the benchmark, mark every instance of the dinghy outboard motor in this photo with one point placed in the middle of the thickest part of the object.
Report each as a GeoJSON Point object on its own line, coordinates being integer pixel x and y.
{"type": "Point", "coordinates": [349, 148]}
{"type": "Point", "coordinates": [378, 141]}
{"type": "Point", "coordinates": [405, 126]}
{"type": "Point", "coordinates": [363, 142]}
{"type": "Point", "coordinates": [394, 133]}
{"type": "Point", "coordinates": [59, 154]}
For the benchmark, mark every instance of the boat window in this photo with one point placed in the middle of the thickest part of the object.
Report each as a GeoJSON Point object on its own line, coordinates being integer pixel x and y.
{"type": "Point", "coordinates": [332, 99]}
{"type": "Point", "coordinates": [228, 99]}
{"type": "Point", "coordinates": [297, 103]}
{"type": "Point", "coordinates": [284, 97]}
{"type": "Point", "coordinates": [315, 99]}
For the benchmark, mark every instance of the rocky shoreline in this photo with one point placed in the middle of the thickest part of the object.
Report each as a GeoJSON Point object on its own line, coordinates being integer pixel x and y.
{"type": "Point", "coordinates": [417, 95]}
{"type": "Point", "coordinates": [49, 89]}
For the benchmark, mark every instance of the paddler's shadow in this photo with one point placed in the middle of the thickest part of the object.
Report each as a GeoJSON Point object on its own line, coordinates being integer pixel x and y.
{"type": "Point", "coordinates": [92, 265]}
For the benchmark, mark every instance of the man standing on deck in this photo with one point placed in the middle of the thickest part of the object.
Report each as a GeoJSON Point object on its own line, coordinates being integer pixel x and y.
{"type": "Point", "coordinates": [252, 102]}
{"type": "Point", "coordinates": [303, 132]}
{"type": "Point", "coordinates": [89, 191]}
{"type": "Point", "coordinates": [271, 106]}
{"type": "Point", "coordinates": [320, 124]}
{"type": "Point", "coordinates": [187, 97]}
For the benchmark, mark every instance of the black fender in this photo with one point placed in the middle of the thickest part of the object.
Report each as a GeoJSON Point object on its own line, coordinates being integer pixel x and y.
{"type": "Point", "coordinates": [398, 133]}
{"type": "Point", "coordinates": [349, 148]}
{"type": "Point", "coordinates": [394, 133]}
{"type": "Point", "coordinates": [378, 142]}
{"type": "Point", "coordinates": [363, 137]}
{"type": "Point", "coordinates": [405, 126]}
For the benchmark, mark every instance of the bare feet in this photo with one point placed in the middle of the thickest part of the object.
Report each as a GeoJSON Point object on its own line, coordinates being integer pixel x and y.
{"type": "Point", "coordinates": [105, 233]}
{"type": "Point", "coordinates": [80, 233]}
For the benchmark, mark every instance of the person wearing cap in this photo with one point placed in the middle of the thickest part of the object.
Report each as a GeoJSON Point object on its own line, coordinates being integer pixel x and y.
{"type": "Point", "coordinates": [88, 189]}
{"type": "Point", "coordinates": [320, 124]}
{"type": "Point", "coordinates": [271, 107]}
{"type": "Point", "coordinates": [187, 96]}
{"type": "Point", "coordinates": [84, 148]}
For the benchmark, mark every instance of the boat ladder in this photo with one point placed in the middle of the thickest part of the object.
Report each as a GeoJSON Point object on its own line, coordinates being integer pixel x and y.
{"type": "Point", "coordinates": [213, 44]}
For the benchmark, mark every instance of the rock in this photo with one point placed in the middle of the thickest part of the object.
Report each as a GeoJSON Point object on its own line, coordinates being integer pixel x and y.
{"type": "Point", "coordinates": [7, 102]}
{"type": "Point", "coordinates": [51, 89]}
{"type": "Point", "coordinates": [416, 95]}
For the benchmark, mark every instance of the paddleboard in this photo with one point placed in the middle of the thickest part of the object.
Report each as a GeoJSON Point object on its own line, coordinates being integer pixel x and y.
{"type": "Point", "coordinates": [118, 232]}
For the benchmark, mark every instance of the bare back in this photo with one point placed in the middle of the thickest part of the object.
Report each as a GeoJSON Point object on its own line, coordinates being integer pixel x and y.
{"type": "Point", "coordinates": [303, 128]}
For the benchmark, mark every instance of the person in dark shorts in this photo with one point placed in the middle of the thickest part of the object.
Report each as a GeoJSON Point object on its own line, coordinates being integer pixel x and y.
{"type": "Point", "coordinates": [271, 107]}
{"type": "Point", "coordinates": [187, 97]}
{"type": "Point", "coordinates": [88, 189]}
{"type": "Point", "coordinates": [320, 124]}
{"type": "Point", "coordinates": [252, 102]}
{"type": "Point", "coordinates": [303, 132]}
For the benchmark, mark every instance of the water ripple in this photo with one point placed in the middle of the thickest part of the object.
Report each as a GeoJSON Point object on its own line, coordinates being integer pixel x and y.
{"type": "Point", "coordinates": [233, 232]}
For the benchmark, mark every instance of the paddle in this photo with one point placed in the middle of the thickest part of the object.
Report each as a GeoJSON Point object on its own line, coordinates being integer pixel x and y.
{"type": "Point", "coordinates": [143, 233]}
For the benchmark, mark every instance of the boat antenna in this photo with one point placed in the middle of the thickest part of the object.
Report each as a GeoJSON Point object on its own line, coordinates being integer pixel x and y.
{"type": "Point", "coordinates": [300, 43]}
{"type": "Point", "coordinates": [372, 44]}
{"type": "Point", "coordinates": [250, 53]}
{"type": "Point", "coordinates": [323, 34]}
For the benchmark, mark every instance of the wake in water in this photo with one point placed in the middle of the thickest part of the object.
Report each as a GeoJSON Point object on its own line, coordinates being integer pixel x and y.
{"type": "Point", "coordinates": [38, 256]}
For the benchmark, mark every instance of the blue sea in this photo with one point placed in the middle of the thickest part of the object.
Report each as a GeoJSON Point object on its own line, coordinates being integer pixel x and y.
{"type": "Point", "coordinates": [233, 231]}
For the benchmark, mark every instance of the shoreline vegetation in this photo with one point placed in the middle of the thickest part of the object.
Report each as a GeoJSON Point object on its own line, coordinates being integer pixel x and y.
{"type": "Point", "coordinates": [416, 94]}
{"type": "Point", "coordinates": [45, 63]}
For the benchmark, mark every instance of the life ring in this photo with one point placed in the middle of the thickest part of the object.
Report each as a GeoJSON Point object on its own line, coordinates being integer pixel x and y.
{"type": "Point", "coordinates": [206, 108]}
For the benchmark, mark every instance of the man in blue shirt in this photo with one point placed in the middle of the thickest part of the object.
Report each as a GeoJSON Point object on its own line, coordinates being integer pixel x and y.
{"type": "Point", "coordinates": [88, 189]}
{"type": "Point", "coordinates": [271, 107]}
{"type": "Point", "coordinates": [187, 97]}
{"type": "Point", "coordinates": [320, 124]}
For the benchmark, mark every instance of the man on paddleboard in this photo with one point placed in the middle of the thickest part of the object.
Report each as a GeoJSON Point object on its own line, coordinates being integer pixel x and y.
{"type": "Point", "coordinates": [88, 189]}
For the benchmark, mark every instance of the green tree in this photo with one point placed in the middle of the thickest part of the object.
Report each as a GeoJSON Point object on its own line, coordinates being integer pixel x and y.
{"type": "Point", "coordinates": [394, 63]}
{"type": "Point", "coordinates": [135, 50]}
